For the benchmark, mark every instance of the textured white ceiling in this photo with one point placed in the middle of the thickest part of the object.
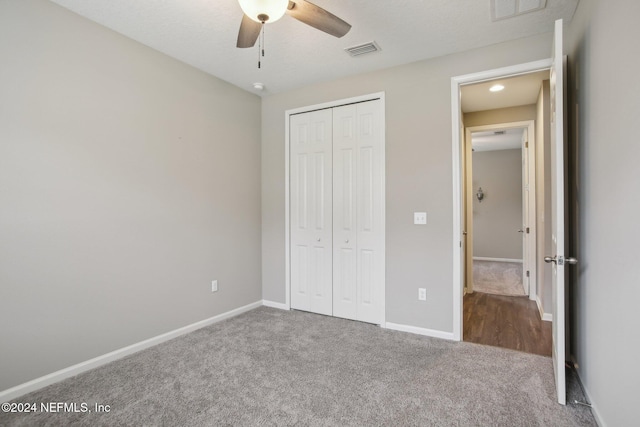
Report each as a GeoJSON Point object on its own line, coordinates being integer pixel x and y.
{"type": "Point", "coordinates": [520, 90]}
{"type": "Point", "coordinates": [203, 33]}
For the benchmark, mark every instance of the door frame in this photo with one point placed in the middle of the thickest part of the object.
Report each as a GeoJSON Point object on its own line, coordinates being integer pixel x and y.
{"type": "Point", "coordinates": [287, 232]}
{"type": "Point", "coordinates": [457, 144]}
{"type": "Point", "coordinates": [532, 262]}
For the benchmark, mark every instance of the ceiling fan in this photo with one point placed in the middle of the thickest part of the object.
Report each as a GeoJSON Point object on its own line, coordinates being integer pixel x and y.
{"type": "Point", "coordinates": [259, 12]}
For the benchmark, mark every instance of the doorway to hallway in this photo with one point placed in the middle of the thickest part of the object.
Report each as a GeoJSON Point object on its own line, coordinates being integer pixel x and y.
{"type": "Point", "coordinates": [499, 306]}
{"type": "Point", "coordinates": [506, 321]}
{"type": "Point", "coordinates": [556, 114]}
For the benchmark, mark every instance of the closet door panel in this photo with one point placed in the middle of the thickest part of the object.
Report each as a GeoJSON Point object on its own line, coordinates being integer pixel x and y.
{"type": "Point", "coordinates": [370, 213]}
{"type": "Point", "coordinates": [345, 212]}
{"type": "Point", "coordinates": [311, 212]}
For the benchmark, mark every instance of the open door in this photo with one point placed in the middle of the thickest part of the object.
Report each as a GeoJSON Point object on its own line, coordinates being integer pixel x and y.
{"type": "Point", "coordinates": [558, 141]}
{"type": "Point", "coordinates": [525, 230]}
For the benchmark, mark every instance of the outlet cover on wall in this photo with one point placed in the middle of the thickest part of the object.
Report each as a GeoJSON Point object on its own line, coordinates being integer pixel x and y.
{"type": "Point", "coordinates": [214, 286]}
{"type": "Point", "coordinates": [420, 218]}
{"type": "Point", "coordinates": [422, 294]}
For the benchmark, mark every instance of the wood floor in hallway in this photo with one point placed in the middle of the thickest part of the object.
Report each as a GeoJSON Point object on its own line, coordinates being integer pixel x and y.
{"type": "Point", "coordinates": [505, 321]}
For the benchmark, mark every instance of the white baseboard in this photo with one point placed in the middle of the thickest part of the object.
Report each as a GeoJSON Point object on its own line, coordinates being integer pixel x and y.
{"type": "Point", "coordinates": [420, 331]}
{"type": "Point", "coordinates": [54, 377]}
{"type": "Point", "coordinates": [274, 304]}
{"type": "Point", "coordinates": [547, 317]}
{"type": "Point", "coordinates": [594, 410]}
{"type": "Point", "coordinates": [481, 258]}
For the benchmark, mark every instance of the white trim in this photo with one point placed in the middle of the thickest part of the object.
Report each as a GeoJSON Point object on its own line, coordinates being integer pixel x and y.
{"type": "Point", "coordinates": [547, 317]}
{"type": "Point", "coordinates": [420, 331]}
{"type": "Point", "coordinates": [383, 214]}
{"type": "Point", "coordinates": [458, 258]}
{"type": "Point", "coordinates": [287, 231]}
{"type": "Point", "coordinates": [287, 219]}
{"type": "Point", "coordinates": [482, 258]}
{"type": "Point", "coordinates": [337, 103]}
{"type": "Point", "coordinates": [594, 410]}
{"type": "Point", "coordinates": [510, 71]}
{"type": "Point", "coordinates": [62, 374]}
{"type": "Point", "coordinates": [273, 304]}
{"type": "Point", "coordinates": [456, 140]}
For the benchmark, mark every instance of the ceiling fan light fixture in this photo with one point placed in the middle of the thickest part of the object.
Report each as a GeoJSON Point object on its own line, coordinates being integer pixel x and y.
{"type": "Point", "coordinates": [264, 10]}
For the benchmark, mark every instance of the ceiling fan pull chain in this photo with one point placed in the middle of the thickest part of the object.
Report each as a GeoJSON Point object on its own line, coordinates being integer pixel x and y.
{"type": "Point", "coordinates": [261, 44]}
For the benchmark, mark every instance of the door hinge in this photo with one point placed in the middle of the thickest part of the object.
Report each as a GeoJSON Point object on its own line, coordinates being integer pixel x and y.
{"type": "Point", "coordinates": [528, 273]}
{"type": "Point", "coordinates": [527, 230]}
{"type": "Point", "coordinates": [526, 144]}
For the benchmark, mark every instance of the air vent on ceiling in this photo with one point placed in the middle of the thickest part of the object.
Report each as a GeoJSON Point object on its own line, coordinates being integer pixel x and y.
{"type": "Point", "coordinates": [503, 9]}
{"type": "Point", "coordinates": [499, 132]}
{"type": "Point", "coordinates": [363, 49]}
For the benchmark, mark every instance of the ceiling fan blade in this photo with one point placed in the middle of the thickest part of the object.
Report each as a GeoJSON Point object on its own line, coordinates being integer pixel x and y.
{"type": "Point", "coordinates": [317, 17]}
{"type": "Point", "coordinates": [249, 32]}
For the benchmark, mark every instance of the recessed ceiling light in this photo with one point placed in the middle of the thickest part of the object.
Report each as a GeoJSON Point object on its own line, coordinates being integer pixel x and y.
{"type": "Point", "coordinates": [496, 88]}
{"type": "Point", "coordinates": [258, 86]}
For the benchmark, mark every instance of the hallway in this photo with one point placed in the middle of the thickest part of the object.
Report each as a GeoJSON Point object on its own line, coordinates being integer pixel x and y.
{"type": "Point", "coordinates": [506, 321]}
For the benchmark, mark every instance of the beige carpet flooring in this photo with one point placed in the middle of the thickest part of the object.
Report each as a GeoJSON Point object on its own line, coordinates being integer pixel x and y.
{"type": "Point", "coordinates": [498, 278]}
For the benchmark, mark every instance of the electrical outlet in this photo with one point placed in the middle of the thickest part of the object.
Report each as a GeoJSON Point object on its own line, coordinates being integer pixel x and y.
{"type": "Point", "coordinates": [420, 218]}
{"type": "Point", "coordinates": [422, 294]}
{"type": "Point", "coordinates": [214, 286]}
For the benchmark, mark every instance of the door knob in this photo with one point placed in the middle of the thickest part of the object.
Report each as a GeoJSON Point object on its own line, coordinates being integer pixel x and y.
{"type": "Point", "coordinates": [346, 241]}
{"type": "Point", "coordinates": [568, 260]}
{"type": "Point", "coordinates": [464, 233]}
{"type": "Point", "coordinates": [318, 239]}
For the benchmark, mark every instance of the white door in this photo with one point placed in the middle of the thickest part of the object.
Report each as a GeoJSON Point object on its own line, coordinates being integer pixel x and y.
{"type": "Point", "coordinates": [358, 214]}
{"type": "Point", "coordinates": [345, 155]}
{"type": "Point", "coordinates": [311, 211]}
{"type": "Point", "coordinates": [557, 212]}
{"type": "Point", "coordinates": [526, 236]}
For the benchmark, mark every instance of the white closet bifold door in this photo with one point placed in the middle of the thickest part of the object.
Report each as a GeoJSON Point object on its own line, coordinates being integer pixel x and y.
{"type": "Point", "coordinates": [358, 212]}
{"type": "Point", "coordinates": [345, 155]}
{"type": "Point", "coordinates": [311, 211]}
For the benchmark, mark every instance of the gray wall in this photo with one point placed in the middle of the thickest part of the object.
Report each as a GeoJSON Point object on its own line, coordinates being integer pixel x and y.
{"type": "Point", "coordinates": [128, 181]}
{"type": "Point", "coordinates": [543, 197]}
{"type": "Point", "coordinates": [604, 104]}
{"type": "Point", "coordinates": [497, 219]}
{"type": "Point", "coordinates": [418, 174]}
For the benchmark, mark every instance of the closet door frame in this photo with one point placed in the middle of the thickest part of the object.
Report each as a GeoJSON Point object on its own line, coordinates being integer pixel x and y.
{"type": "Point", "coordinates": [288, 113]}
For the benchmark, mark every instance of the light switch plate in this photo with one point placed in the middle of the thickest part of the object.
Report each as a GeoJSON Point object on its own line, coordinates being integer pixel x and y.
{"type": "Point", "coordinates": [420, 218]}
